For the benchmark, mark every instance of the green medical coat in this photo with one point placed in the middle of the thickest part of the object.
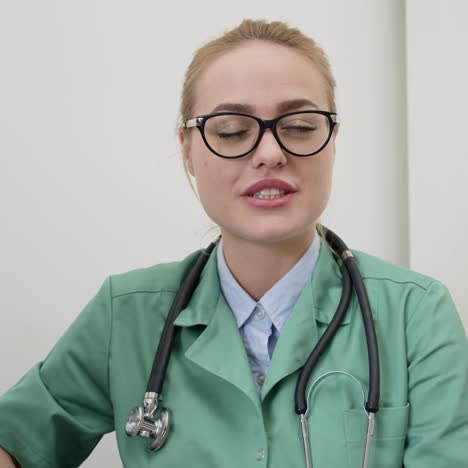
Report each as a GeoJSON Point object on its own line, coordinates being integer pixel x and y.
{"type": "Point", "coordinates": [98, 371]}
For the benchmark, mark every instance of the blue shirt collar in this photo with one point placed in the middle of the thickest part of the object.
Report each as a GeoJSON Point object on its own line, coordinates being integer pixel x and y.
{"type": "Point", "coordinates": [277, 301]}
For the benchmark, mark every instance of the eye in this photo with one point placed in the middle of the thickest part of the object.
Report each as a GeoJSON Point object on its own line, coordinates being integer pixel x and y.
{"type": "Point", "coordinates": [300, 128]}
{"type": "Point", "coordinates": [233, 134]}
{"type": "Point", "coordinates": [303, 124]}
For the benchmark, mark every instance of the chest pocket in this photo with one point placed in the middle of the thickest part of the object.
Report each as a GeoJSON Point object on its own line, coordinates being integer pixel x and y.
{"type": "Point", "coordinates": [387, 445]}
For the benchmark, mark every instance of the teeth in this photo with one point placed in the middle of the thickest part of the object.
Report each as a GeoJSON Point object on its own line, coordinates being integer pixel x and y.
{"type": "Point", "coordinates": [269, 193]}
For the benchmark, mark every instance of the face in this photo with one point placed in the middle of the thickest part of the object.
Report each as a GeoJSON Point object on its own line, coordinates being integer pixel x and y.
{"type": "Point", "coordinates": [261, 76]}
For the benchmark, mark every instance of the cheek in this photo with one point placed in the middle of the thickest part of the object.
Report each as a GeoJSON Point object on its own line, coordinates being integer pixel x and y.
{"type": "Point", "coordinates": [318, 176]}
{"type": "Point", "coordinates": [201, 163]}
{"type": "Point", "coordinates": [320, 170]}
{"type": "Point", "coordinates": [212, 181]}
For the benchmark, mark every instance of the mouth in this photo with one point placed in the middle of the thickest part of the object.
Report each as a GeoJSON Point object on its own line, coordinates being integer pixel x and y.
{"type": "Point", "coordinates": [269, 188]}
{"type": "Point", "coordinates": [269, 201]}
{"type": "Point", "coordinates": [269, 194]}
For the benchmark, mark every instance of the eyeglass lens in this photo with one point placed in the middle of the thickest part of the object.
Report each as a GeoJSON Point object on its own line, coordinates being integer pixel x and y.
{"type": "Point", "coordinates": [233, 135]}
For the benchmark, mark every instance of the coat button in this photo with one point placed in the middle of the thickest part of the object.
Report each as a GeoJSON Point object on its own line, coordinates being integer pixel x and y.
{"type": "Point", "coordinates": [260, 454]}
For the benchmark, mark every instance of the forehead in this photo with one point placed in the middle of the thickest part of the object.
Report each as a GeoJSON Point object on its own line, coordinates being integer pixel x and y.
{"type": "Point", "coordinates": [261, 75]}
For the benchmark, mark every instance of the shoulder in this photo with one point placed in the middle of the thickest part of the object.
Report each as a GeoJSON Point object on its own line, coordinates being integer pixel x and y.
{"type": "Point", "coordinates": [155, 278]}
{"type": "Point", "coordinates": [408, 302]}
{"type": "Point", "coordinates": [375, 268]}
{"type": "Point", "coordinates": [399, 291]}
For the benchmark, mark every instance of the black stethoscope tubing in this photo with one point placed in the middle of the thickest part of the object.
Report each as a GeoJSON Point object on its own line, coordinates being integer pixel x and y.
{"type": "Point", "coordinates": [350, 274]}
{"type": "Point", "coordinates": [161, 359]}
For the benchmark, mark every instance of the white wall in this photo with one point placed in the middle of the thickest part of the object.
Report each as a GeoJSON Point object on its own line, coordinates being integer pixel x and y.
{"type": "Point", "coordinates": [437, 52]}
{"type": "Point", "coordinates": [91, 181]}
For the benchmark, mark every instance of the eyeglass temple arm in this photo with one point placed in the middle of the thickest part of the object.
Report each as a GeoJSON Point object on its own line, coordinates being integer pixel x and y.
{"type": "Point", "coordinates": [192, 123]}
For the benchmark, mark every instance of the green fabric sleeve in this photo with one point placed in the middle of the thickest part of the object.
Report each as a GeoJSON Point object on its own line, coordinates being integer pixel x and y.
{"type": "Point", "coordinates": [438, 384]}
{"type": "Point", "coordinates": [57, 413]}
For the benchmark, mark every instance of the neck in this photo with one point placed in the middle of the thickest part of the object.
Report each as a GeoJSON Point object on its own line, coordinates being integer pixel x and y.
{"type": "Point", "coordinates": [258, 266]}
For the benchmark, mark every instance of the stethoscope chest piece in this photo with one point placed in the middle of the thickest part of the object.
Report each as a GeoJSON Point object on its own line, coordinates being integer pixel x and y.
{"type": "Point", "coordinates": [144, 424]}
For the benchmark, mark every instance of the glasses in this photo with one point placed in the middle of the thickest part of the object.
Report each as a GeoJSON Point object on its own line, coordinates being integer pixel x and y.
{"type": "Point", "coordinates": [234, 135]}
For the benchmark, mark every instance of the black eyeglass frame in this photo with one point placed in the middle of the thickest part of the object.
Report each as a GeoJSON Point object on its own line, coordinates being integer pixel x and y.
{"type": "Point", "coordinates": [201, 120]}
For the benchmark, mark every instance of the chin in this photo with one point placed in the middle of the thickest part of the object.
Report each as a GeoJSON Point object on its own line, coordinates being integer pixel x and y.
{"type": "Point", "coordinates": [266, 235]}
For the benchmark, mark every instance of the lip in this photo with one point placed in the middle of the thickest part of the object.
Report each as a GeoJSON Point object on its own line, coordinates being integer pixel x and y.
{"type": "Point", "coordinates": [273, 203]}
{"type": "Point", "coordinates": [268, 183]}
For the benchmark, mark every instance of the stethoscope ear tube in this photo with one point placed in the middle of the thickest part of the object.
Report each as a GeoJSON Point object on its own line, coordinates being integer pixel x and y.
{"type": "Point", "coordinates": [324, 341]}
{"type": "Point", "coordinates": [350, 273]}
{"type": "Point", "coordinates": [372, 404]}
{"type": "Point", "coordinates": [161, 359]}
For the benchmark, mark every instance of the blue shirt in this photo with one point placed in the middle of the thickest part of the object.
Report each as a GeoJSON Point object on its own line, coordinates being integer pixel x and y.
{"type": "Point", "coordinates": [260, 322]}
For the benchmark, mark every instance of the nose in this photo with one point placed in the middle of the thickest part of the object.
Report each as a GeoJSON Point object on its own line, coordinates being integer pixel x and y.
{"type": "Point", "coordinates": [268, 151]}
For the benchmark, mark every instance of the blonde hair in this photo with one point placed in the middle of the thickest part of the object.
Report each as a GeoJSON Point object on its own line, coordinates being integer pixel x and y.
{"type": "Point", "coordinates": [275, 32]}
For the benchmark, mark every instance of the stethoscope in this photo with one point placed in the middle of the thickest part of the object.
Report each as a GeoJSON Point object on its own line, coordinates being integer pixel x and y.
{"type": "Point", "coordinates": [143, 421]}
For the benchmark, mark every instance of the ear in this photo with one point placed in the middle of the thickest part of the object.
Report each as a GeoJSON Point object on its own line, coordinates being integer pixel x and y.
{"type": "Point", "coordinates": [333, 137]}
{"type": "Point", "coordinates": [331, 147]}
{"type": "Point", "coordinates": [185, 144]}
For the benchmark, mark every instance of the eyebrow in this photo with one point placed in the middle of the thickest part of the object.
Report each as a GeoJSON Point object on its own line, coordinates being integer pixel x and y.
{"type": "Point", "coordinates": [284, 106]}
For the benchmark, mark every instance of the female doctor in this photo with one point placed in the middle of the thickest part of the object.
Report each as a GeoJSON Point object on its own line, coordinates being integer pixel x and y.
{"type": "Point", "coordinates": [267, 293]}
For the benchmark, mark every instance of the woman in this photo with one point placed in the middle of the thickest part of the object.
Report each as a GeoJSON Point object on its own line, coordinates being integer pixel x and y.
{"type": "Point", "coordinates": [266, 295]}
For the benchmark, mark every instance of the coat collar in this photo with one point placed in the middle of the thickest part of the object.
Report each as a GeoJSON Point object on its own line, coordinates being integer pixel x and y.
{"type": "Point", "coordinates": [325, 288]}
{"type": "Point", "coordinates": [220, 339]}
